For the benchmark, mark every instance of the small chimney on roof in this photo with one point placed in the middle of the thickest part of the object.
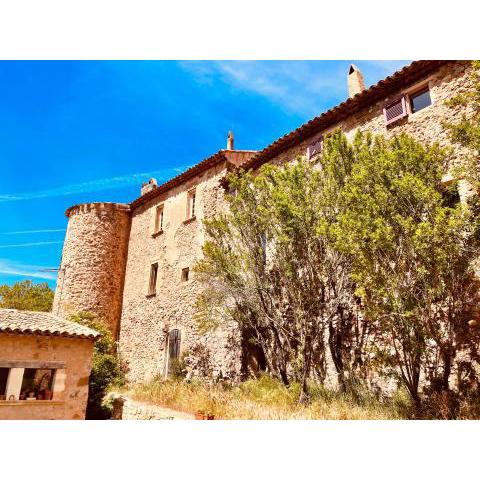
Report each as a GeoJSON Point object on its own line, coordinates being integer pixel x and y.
{"type": "Point", "coordinates": [230, 141]}
{"type": "Point", "coordinates": [356, 84]}
{"type": "Point", "coordinates": [149, 186]}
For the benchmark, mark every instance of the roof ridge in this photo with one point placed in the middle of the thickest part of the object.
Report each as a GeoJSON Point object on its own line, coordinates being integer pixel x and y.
{"type": "Point", "coordinates": [343, 109]}
{"type": "Point", "coordinates": [17, 321]}
{"type": "Point", "coordinates": [210, 161]}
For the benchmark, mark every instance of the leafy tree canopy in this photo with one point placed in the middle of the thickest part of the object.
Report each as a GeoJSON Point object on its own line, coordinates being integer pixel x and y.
{"type": "Point", "coordinates": [27, 296]}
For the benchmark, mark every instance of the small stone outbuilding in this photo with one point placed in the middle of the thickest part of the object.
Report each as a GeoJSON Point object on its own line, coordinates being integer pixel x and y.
{"type": "Point", "coordinates": [45, 363]}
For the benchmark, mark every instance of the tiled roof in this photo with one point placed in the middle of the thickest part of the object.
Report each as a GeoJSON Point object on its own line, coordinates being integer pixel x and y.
{"type": "Point", "coordinates": [216, 158]}
{"type": "Point", "coordinates": [41, 323]}
{"type": "Point", "coordinates": [409, 74]}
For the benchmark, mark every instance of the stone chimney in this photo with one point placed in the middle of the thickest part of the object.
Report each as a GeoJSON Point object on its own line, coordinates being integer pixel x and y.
{"type": "Point", "coordinates": [356, 84]}
{"type": "Point", "coordinates": [230, 141]}
{"type": "Point", "coordinates": [149, 186]}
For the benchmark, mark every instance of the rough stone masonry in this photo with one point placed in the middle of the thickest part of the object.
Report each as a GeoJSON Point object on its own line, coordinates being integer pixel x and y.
{"type": "Point", "coordinates": [131, 264]}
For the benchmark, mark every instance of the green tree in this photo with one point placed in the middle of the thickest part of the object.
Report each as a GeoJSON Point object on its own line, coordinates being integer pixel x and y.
{"type": "Point", "coordinates": [268, 265]}
{"type": "Point", "coordinates": [466, 131]}
{"type": "Point", "coordinates": [107, 370]}
{"type": "Point", "coordinates": [27, 296]}
{"type": "Point", "coordinates": [411, 257]}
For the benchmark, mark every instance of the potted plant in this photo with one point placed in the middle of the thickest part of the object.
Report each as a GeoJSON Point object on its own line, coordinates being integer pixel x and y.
{"type": "Point", "coordinates": [210, 416]}
{"type": "Point", "coordinates": [22, 396]}
{"type": "Point", "coordinates": [31, 395]}
{"type": "Point", "coordinates": [199, 415]}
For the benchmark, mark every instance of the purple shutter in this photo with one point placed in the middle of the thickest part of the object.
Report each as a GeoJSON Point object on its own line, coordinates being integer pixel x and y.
{"type": "Point", "coordinates": [395, 110]}
{"type": "Point", "coordinates": [315, 148]}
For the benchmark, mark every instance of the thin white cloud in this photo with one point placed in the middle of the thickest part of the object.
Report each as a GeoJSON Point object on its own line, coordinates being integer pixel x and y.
{"type": "Point", "coordinates": [94, 186]}
{"type": "Point", "coordinates": [294, 86]}
{"type": "Point", "coordinates": [45, 230]}
{"type": "Point", "coordinates": [7, 267]}
{"type": "Point", "coordinates": [302, 87]}
{"type": "Point", "coordinates": [30, 244]}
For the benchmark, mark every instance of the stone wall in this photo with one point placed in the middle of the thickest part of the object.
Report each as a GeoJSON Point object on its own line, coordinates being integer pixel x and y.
{"type": "Point", "coordinates": [425, 125]}
{"type": "Point", "coordinates": [70, 390]}
{"type": "Point", "coordinates": [146, 320]}
{"type": "Point", "coordinates": [94, 255]}
{"type": "Point", "coordinates": [97, 275]}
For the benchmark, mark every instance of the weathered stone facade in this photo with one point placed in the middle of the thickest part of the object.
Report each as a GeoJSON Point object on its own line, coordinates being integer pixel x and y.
{"type": "Point", "coordinates": [426, 125]}
{"type": "Point", "coordinates": [94, 255]}
{"type": "Point", "coordinates": [147, 319]}
{"type": "Point", "coordinates": [96, 266]}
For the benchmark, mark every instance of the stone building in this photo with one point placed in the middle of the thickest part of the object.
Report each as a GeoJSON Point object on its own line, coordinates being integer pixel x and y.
{"type": "Point", "coordinates": [45, 363]}
{"type": "Point", "coordinates": [132, 264]}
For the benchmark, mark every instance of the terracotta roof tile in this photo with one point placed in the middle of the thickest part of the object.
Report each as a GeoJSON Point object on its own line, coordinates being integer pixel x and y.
{"type": "Point", "coordinates": [179, 179]}
{"type": "Point", "coordinates": [41, 323]}
{"type": "Point", "coordinates": [410, 73]}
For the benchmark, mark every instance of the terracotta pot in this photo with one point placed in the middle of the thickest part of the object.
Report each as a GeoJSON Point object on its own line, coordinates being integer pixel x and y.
{"type": "Point", "coordinates": [199, 415]}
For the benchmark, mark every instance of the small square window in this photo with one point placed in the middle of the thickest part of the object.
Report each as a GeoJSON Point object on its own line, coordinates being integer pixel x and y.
{"type": "Point", "coordinates": [158, 219]}
{"type": "Point", "coordinates": [185, 274]}
{"type": "Point", "coordinates": [191, 204]}
{"type": "Point", "coordinates": [420, 100]}
{"type": "Point", "coordinates": [152, 287]}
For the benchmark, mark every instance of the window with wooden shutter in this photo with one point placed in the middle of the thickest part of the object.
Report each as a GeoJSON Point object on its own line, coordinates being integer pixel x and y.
{"type": "Point", "coordinates": [191, 204]}
{"type": "Point", "coordinates": [174, 338]}
{"type": "Point", "coordinates": [395, 110]}
{"type": "Point", "coordinates": [315, 148]}
{"type": "Point", "coordinates": [152, 286]}
{"type": "Point", "coordinates": [158, 228]}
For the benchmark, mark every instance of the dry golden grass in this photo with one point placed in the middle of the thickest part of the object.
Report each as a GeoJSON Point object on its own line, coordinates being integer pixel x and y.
{"type": "Point", "coordinates": [267, 399]}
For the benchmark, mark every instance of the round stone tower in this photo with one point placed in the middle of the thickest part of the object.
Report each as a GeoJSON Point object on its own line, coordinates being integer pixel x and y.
{"type": "Point", "coordinates": [92, 269]}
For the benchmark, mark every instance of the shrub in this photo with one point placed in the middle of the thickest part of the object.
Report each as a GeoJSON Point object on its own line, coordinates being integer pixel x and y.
{"type": "Point", "coordinates": [107, 369]}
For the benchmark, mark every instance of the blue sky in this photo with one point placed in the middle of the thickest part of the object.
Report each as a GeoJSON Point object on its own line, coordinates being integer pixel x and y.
{"type": "Point", "coordinates": [73, 132]}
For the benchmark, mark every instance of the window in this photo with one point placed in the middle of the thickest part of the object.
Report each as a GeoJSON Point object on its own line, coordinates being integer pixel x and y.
{"type": "Point", "coordinates": [158, 219]}
{"type": "Point", "coordinates": [37, 383]}
{"type": "Point", "coordinates": [315, 148]}
{"type": "Point", "coordinates": [185, 274]}
{"type": "Point", "coordinates": [173, 364]}
{"type": "Point", "coordinates": [191, 199]}
{"type": "Point", "coordinates": [174, 338]}
{"type": "Point", "coordinates": [450, 195]}
{"type": "Point", "coordinates": [420, 100]}
{"type": "Point", "coordinates": [152, 287]}
{"type": "Point", "coordinates": [395, 110]}
{"type": "Point", "coordinates": [3, 382]}
{"type": "Point", "coordinates": [27, 383]}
